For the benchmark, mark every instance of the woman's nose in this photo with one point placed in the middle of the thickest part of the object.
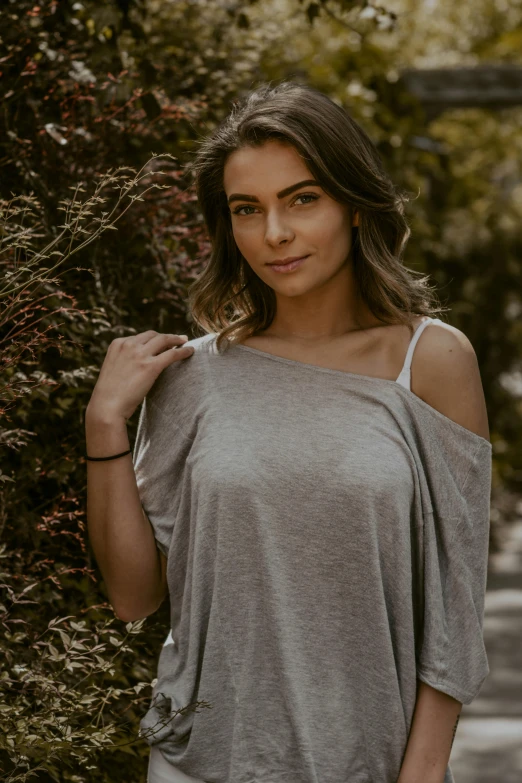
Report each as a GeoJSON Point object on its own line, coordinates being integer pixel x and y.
{"type": "Point", "coordinates": [277, 229]}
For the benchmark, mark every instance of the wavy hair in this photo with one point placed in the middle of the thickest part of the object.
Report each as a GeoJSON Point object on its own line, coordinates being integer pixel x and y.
{"type": "Point", "coordinates": [228, 298]}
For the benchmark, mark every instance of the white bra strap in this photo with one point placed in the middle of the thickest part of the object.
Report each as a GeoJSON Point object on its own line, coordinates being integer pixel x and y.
{"type": "Point", "coordinates": [413, 342]}
{"type": "Point", "coordinates": [404, 378]}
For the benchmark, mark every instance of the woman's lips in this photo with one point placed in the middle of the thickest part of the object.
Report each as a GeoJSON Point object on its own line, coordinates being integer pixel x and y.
{"type": "Point", "coordinates": [288, 267]}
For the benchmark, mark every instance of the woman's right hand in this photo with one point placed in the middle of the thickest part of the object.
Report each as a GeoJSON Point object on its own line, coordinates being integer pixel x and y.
{"type": "Point", "coordinates": [130, 368]}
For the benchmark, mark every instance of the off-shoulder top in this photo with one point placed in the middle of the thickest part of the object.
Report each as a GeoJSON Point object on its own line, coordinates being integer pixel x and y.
{"type": "Point", "coordinates": [327, 542]}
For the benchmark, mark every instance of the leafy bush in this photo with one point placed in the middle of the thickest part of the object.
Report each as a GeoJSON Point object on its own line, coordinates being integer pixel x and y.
{"type": "Point", "coordinates": [69, 691]}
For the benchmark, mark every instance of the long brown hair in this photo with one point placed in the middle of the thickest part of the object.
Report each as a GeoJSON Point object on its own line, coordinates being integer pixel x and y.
{"type": "Point", "coordinates": [228, 298]}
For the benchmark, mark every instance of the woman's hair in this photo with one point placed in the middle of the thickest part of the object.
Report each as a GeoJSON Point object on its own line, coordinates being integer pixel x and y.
{"type": "Point", "coordinates": [228, 297]}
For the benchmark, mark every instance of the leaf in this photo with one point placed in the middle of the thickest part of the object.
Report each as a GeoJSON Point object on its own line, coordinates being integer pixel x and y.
{"type": "Point", "coordinates": [78, 626]}
{"type": "Point", "coordinates": [57, 620]}
{"type": "Point", "coordinates": [29, 587]}
{"type": "Point", "coordinates": [66, 639]}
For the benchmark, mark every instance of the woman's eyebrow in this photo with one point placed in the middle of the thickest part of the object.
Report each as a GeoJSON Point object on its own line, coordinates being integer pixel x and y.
{"type": "Point", "coordinates": [281, 194]}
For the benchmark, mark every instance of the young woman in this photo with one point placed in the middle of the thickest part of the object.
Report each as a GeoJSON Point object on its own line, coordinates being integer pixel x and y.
{"type": "Point", "coordinates": [311, 476]}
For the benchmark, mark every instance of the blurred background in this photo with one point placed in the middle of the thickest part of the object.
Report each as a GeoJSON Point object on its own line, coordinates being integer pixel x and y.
{"type": "Point", "coordinates": [102, 104]}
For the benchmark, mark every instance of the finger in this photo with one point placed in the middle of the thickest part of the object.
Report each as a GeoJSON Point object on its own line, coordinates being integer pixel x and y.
{"type": "Point", "coordinates": [142, 337]}
{"type": "Point", "coordinates": [174, 354]}
{"type": "Point", "coordinates": [164, 341]}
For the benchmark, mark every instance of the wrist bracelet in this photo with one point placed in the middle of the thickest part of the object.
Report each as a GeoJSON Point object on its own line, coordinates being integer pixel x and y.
{"type": "Point", "coordinates": [102, 459]}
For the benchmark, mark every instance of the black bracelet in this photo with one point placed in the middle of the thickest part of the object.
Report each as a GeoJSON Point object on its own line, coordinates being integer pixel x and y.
{"type": "Point", "coordinates": [102, 459]}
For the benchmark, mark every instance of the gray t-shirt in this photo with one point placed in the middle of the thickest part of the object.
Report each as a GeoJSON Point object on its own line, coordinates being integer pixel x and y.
{"type": "Point", "coordinates": [327, 539]}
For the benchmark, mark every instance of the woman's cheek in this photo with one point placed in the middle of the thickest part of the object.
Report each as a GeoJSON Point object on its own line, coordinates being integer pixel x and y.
{"type": "Point", "coordinates": [246, 238]}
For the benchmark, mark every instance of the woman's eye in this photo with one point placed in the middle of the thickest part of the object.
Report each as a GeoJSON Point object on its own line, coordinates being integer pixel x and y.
{"type": "Point", "coordinates": [312, 196]}
{"type": "Point", "coordinates": [308, 195]}
{"type": "Point", "coordinates": [238, 210]}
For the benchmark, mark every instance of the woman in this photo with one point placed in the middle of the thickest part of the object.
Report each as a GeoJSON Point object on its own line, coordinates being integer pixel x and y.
{"type": "Point", "coordinates": [311, 476]}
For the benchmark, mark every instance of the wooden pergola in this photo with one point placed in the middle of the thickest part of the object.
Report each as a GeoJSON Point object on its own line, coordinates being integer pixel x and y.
{"type": "Point", "coordinates": [487, 86]}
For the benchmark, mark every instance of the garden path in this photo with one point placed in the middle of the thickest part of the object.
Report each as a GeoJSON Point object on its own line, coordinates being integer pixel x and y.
{"type": "Point", "coordinates": [488, 743]}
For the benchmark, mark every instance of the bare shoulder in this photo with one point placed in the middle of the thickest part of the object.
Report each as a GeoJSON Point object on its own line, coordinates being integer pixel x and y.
{"type": "Point", "coordinates": [446, 375]}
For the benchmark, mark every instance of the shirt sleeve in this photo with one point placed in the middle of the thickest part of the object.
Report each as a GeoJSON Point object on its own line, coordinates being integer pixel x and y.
{"type": "Point", "coordinates": [160, 452]}
{"type": "Point", "coordinates": [453, 657]}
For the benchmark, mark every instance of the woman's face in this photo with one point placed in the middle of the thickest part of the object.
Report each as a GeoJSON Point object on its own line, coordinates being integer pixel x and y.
{"type": "Point", "coordinates": [276, 216]}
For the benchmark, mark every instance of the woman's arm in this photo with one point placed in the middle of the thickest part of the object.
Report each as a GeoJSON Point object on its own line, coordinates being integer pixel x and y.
{"type": "Point", "coordinates": [120, 534]}
{"type": "Point", "coordinates": [431, 736]}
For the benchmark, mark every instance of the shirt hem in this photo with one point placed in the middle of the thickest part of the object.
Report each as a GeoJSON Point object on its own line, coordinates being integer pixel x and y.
{"type": "Point", "coordinates": [465, 697]}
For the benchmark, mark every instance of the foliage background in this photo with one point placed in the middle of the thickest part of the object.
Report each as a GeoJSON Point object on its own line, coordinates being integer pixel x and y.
{"type": "Point", "coordinates": [92, 94]}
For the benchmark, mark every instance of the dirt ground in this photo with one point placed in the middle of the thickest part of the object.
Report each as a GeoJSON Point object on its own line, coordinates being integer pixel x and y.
{"type": "Point", "coordinates": [488, 743]}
